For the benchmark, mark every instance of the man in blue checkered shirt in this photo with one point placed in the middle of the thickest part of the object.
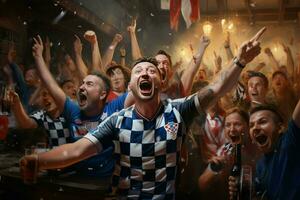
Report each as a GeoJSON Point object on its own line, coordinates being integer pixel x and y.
{"type": "Point", "coordinates": [147, 136]}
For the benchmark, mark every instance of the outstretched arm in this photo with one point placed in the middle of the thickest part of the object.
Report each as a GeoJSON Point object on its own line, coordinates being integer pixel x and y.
{"type": "Point", "coordinates": [190, 72]}
{"type": "Point", "coordinates": [45, 75]}
{"type": "Point", "coordinates": [135, 48]}
{"type": "Point", "coordinates": [228, 77]}
{"type": "Point", "coordinates": [60, 157]}
{"type": "Point", "coordinates": [97, 64]}
{"type": "Point", "coordinates": [81, 67]}
{"type": "Point", "coordinates": [108, 56]}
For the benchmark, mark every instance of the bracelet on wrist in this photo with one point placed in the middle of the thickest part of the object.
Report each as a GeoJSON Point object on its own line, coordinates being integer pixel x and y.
{"type": "Point", "coordinates": [238, 63]}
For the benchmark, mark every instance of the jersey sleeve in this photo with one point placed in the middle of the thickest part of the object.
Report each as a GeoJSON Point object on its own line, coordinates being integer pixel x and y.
{"type": "Point", "coordinates": [103, 135]}
{"type": "Point", "coordinates": [189, 107]}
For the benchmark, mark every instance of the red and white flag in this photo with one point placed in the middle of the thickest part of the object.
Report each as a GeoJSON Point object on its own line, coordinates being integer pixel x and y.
{"type": "Point", "coordinates": [189, 9]}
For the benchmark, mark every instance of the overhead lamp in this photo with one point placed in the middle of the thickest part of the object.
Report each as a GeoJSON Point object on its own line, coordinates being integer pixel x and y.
{"type": "Point", "coordinates": [207, 28]}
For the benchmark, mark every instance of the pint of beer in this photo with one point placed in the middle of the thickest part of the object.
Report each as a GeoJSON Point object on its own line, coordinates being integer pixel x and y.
{"type": "Point", "coordinates": [29, 167]}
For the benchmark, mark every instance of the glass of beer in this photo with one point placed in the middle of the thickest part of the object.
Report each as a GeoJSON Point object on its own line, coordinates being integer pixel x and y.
{"type": "Point", "coordinates": [30, 172]}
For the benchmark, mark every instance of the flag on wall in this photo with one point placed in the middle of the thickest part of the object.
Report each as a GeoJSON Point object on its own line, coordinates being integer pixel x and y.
{"type": "Point", "coordinates": [189, 9]}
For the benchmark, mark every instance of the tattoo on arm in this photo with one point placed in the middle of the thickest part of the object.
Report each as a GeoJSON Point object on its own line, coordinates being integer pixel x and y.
{"type": "Point", "coordinates": [206, 97]}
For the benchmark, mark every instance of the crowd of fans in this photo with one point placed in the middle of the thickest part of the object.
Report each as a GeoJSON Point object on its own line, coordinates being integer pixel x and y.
{"type": "Point", "coordinates": [258, 111]}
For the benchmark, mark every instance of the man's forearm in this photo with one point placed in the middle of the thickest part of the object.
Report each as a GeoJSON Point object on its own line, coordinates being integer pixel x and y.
{"type": "Point", "coordinates": [81, 67]}
{"type": "Point", "coordinates": [96, 58]}
{"type": "Point", "coordinates": [66, 155]}
{"type": "Point", "coordinates": [226, 80]}
{"type": "Point", "coordinates": [108, 56]}
{"type": "Point", "coordinates": [50, 83]}
{"type": "Point", "coordinates": [190, 72]}
{"type": "Point", "coordinates": [135, 48]}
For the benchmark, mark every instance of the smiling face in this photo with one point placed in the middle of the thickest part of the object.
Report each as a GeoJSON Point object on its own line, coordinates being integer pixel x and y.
{"type": "Point", "coordinates": [235, 127]}
{"type": "Point", "coordinates": [145, 81]}
{"type": "Point", "coordinates": [117, 79]}
{"type": "Point", "coordinates": [91, 93]}
{"type": "Point", "coordinates": [264, 130]}
{"type": "Point", "coordinates": [257, 89]}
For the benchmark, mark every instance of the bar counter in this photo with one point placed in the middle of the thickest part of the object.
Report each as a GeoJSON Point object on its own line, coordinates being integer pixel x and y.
{"type": "Point", "coordinates": [64, 186]}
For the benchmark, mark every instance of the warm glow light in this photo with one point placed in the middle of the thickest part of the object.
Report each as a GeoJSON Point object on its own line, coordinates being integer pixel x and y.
{"type": "Point", "coordinates": [230, 26]}
{"type": "Point", "coordinates": [207, 28]}
{"type": "Point", "coordinates": [223, 21]}
{"type": "Point", "coordinates": [182, 53]}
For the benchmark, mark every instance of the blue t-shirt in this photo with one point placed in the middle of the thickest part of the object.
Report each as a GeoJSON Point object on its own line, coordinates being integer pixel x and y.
{"type": "Point", "coordinates": [147, 151]}
{"type": "Point", "coordinates": [79, 125]}
{"type": "Point", "coordinates": [278, 172]}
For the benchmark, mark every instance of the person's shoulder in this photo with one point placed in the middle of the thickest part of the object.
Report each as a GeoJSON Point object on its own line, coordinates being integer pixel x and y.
{"type": "Point", "coordinates": [38, 114]}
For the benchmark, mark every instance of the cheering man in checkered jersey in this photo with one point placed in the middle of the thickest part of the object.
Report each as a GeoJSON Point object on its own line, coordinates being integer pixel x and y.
{"type": "Point", "coordinates": [147, 136]}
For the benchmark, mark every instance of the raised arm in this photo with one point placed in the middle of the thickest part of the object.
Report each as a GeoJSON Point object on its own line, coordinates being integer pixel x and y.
{"type": "Point", "coordinates": [23, 120]}
{"type": "Point", "coordinates": [135, 48]}
{"type": "Point", "coordinates": [289, 59]}
{"type": "Point", "coordinates": [81, 67]}
{"type": "Point", "coordinates": [123, 56]}
{"type": "Point", "coordinates": [274, 64]}
{"type": "Point", "coordinates": [228, 77]}
{"type": "Point", "coordinates": [190, 72]}
{"type": "Point", "coordinates": [97, 64]}
{"type": "Point", "coordinates": [47, 52]}
{"type": "Point", "coordinates": [45, 75]}
{"type": "Point", "coordinates": [108, 56]}
{"type": "Point", "coordinates": [218, 63]}
{"type": "Point", "coordinates": [227, 47]}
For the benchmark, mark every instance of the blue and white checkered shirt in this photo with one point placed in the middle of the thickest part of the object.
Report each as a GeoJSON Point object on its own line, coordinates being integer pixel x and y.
{"type": "Point", "coordinates": [147, 151]}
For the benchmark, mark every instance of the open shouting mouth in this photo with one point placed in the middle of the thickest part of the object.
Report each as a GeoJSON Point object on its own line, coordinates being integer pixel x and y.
{"type": "Point", "coordinates": [82, 99]}
{"type": "Point", "coordinates": [261, 139]}
{"type": "Point", "coordinates": [146, 87]}
{"type": "Point", "coordinates": [235, 138]}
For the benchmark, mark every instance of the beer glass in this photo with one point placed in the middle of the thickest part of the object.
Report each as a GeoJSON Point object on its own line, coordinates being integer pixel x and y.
{"type": "Point", "coordinates": [30, 172]}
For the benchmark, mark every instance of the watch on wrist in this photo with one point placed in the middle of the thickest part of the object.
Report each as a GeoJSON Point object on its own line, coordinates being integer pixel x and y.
{"type": "Point", "coordinates": [238, 63]}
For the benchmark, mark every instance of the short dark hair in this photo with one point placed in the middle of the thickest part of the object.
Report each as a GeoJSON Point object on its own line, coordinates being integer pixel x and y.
{"type": "Point", "coordinates": [279, 73]}
{"type": "Point", "coordinates": [147, 59]}
{"type": "Point", "coordinates": [162, 52]}
{"type": "Point", "coordinates": [252, 74]}
{"type": "Point", "coordinates": [270, 107]}
{"type": "Point", "coordinates": [104, 78]}
{"type": "Point", "coordinates": [239, 111]}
